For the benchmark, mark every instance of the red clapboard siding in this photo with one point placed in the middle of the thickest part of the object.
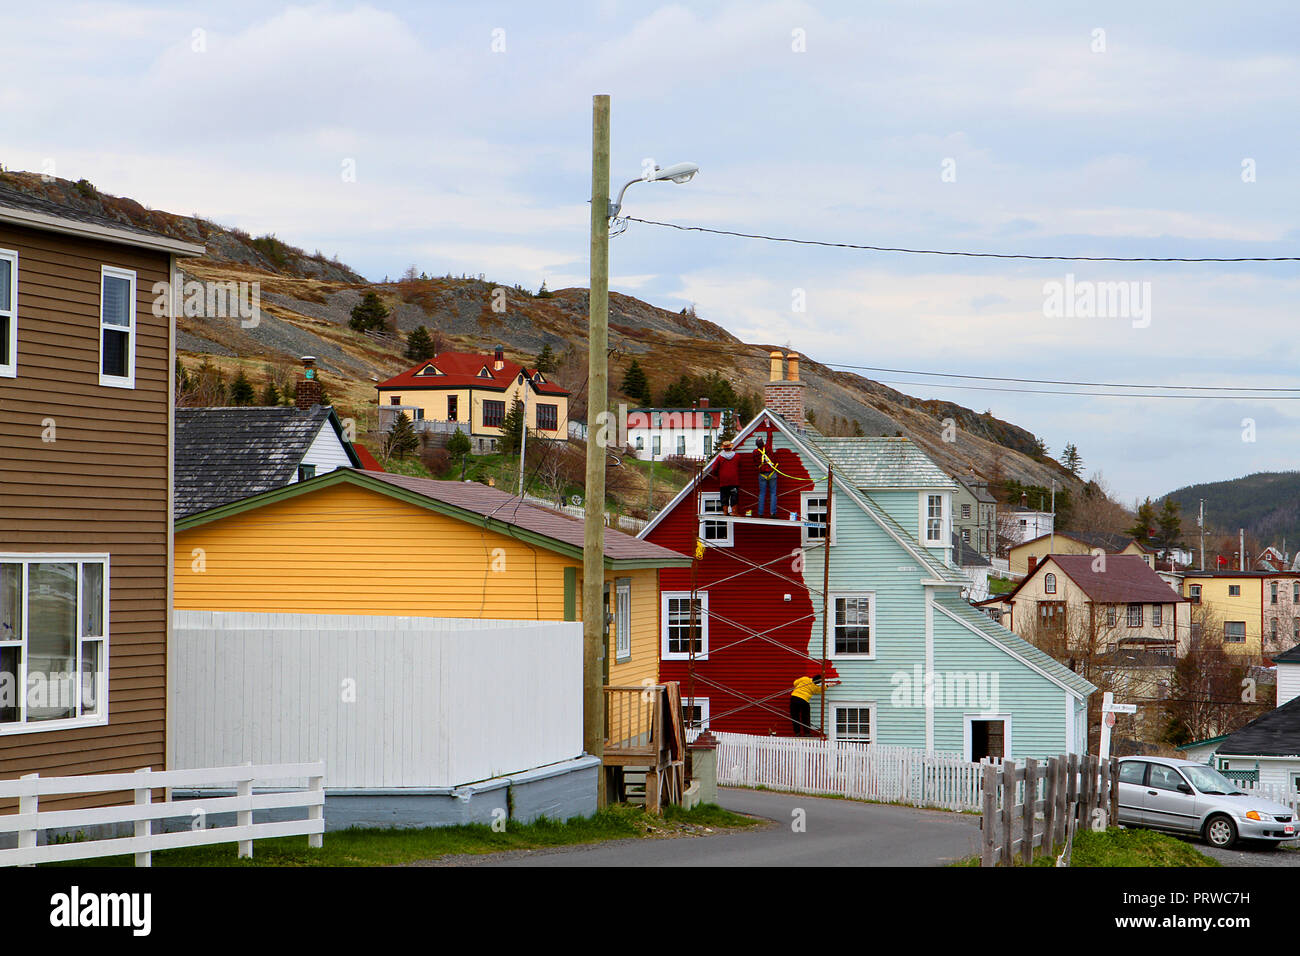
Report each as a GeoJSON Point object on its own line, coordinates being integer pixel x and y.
{"type": "Point", "coordinates": [756, 668]}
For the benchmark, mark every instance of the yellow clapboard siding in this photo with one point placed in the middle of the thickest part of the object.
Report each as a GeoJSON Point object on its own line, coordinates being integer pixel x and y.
{"type": "Point", "coordinates": [349, 550]}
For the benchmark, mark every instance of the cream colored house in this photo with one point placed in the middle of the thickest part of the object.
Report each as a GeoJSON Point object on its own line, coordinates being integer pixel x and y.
{"type": "Point", "coordinates": [1023, 556]}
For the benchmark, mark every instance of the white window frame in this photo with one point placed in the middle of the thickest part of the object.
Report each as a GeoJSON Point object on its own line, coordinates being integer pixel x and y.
{"type": "Point", "coordinates": [806, 536]}
{"type": "Point", "coordinates": [944, 538]}
{"type": "Point", "coordinates": [832, 720]}
{"type": "Point", "coordinates": [1049, 583]}
{"type": "Point", "coordinates": [967, 735]}
{"type": "Point", "coordinates": [871, 626]}
{"type": "Point", "coordinates": [681, 446]}
{"type": "Point", "coordinates": [1243, 632]}
{"type": "Point", "coordinates": [667, 596]}
{"type": "Point", "coordinates": [100, 718]}
{"type": "Point", "coordinates": [128, 380]}
{"type": "Point", "coordinates": [1128, 615]}
{"type": "Point", "coordinates": [714, 498]}
{"type": "Point", "coordinates": [9, 363]}
{"type": "Point", "coordinates": [622, 619]}
{"type": "Point", "coordinates": [655, 447]}
{"type": "Point", "coordinates": [1157, 615]}
{"type": "Point", "coordinates": [703, 704]}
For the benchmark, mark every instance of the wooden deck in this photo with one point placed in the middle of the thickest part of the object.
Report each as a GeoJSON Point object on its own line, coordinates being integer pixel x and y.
{"type": "Point", "coordinates": [643, 730]}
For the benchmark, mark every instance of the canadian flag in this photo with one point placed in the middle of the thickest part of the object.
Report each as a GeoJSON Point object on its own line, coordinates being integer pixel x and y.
{"type": "Point", "coordinates": [1222, 560]}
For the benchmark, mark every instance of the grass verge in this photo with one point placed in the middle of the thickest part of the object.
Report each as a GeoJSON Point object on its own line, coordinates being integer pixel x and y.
{"type": "Point", "coordinates": [389, 847]}
{"type": "Point", "coordinates": [1123, 847]}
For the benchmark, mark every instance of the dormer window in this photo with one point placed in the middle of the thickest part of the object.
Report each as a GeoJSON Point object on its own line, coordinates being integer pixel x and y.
{"type": "Point", "coordinates": [428, 370]}
{"type": "Point", "coordinates": [484, 373]}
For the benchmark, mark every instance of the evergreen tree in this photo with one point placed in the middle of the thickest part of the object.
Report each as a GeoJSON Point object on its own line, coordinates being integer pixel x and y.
{"type": "Point", "coordinates": [419, 345]}
{"type": "Point", "coordinates": [545, 293]}
{"type": "Point", "coordinates": [546, 360]}
{"type": "Point", "coordinates": [241, 390]}
{"type": "Point", "coordinates": [369, 314]}
{"type": "Point", "coordinates": [746, 409]}
{"type": "Point", "coordinates": [678, 394]}
{"type": "Point", "coordinates": [270, 395]}
{"type": "Point", "coordinates": [512, 427]}
{"type": "Point", "coordinates": [1169, 526]}
{"type": "Point", "coordinates": [1147, 522]}
{"type": "Point", "coordinates": [636, 385]}
{"type": "Point", "coordinates": [401, 440]}
{"type": "Point", "coordinates": [458, 445]}
{"type": "Point", "coordinates": [1071, 459]}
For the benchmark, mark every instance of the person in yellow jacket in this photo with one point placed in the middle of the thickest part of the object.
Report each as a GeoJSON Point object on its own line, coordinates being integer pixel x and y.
{"type": "Point", "coordinates": [801, 703]}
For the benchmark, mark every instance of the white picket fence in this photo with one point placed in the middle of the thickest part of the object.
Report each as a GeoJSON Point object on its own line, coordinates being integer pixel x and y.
{"type": "Point", "coordinates": [1283, 795]}
{"type": "Point", "coordinates": [30, 820]}
{"type": "Point", "coordinates": [876, 772]}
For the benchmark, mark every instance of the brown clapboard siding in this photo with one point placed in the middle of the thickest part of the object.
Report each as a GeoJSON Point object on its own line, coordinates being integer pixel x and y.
{"type": "Point", "coordinates": [101, 486]}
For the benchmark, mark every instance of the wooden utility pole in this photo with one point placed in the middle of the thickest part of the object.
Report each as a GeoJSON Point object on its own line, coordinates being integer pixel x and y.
{"type": "Point", "coordinates": [593, 550]}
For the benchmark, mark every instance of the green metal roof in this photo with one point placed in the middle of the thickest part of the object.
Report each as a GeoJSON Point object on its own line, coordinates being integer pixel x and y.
{"type": "Point", "coordinates": [881, 463]}
{"type": "Point", "coordinates": [1014, 643]}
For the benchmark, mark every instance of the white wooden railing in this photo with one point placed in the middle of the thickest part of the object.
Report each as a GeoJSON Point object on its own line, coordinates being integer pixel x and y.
{"type": "Point", "coordinates": [30, 820]}
{"type": "Point", "coordinates": [876, 772]}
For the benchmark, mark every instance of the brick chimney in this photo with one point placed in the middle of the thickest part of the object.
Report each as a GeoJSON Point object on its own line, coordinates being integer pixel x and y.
{"type": "Point", "coordinates": [308, 392]}
{"type": "Point", "coordinates": [784, 392]}
{"type": "Point", "coordinates": [499, 359]}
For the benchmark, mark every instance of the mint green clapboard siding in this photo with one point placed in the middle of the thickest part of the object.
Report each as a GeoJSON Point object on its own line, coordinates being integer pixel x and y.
{"type": "Point", "coordinates": [1036, 704]}
{"type": "Point", "coordinates": [867, 558]}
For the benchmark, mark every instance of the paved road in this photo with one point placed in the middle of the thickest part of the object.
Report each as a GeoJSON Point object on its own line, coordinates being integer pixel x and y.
{"type": "Point", "coordinates": [1250, 854]}
{"type": "Point", "coordinates": [837, 833]}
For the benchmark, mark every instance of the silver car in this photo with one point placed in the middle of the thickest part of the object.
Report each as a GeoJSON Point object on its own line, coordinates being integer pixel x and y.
{"type": "Point", "coordinates": [1182, 796]}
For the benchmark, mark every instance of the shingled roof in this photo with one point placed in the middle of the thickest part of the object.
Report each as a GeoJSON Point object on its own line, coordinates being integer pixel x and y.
{"type": "Point", "coordinates": [23, 208]}
{"type": "Point", "coordinates": [1275, 734]}
{"type": "Point", "coordinates": [1125, 580]}
{"type": "Point", "coordinates": [478, 505]}
{"type": "Point", "coordinates": [881, 463]}
{"type": "Point", "coordinates": [225, 454]}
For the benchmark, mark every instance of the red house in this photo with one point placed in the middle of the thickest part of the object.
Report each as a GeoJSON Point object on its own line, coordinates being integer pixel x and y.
{"type": "Point", "coordinates": [753, 643]}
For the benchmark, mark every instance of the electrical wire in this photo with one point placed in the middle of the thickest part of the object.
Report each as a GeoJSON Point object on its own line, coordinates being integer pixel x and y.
{"type": "Point", "coordinates": [942, 252]}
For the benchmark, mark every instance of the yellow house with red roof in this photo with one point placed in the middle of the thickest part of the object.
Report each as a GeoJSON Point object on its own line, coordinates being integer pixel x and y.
{"type": "Point", "coordinates": [478, 392]}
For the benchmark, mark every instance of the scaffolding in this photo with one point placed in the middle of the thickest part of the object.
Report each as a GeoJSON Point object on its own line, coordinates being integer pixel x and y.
{"type": "Point", "coordinates": [702, 547]}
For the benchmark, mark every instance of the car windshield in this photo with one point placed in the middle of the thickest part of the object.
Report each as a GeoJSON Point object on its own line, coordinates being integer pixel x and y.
{"type": "Point", "coordinates": [1210, 781]}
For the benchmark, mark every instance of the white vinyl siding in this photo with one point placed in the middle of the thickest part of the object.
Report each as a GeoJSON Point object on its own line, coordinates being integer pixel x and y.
{"type": "Point", "coordinates": [117, 327]}
{"type": "Point", "coordinates": [8, 313]}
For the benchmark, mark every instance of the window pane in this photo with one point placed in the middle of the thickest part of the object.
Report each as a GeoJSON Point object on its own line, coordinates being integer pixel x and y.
{"type": "Point", "coordinates": [117, 301]}
{"type": "Point", "coordinates": [92, 678]}
{"type": "Point", "coordinates": [5, 324]}
{"type": "Point", "coordinates": [52, 638]}
{"type": "Point", "coordinates": [92, 600]}
{"type": "Point", "coordinates": [6, 284]}
{"type": "Point", "coordinates": [114, 352]}
{"type": "Point", "coordinates": [11, 605]}
{"type": "Point", "coordinates": [10, 657]}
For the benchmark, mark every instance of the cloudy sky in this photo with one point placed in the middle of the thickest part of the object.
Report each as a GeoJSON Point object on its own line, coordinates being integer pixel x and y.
{"type": "Point", "coordinates": [1099, 129]}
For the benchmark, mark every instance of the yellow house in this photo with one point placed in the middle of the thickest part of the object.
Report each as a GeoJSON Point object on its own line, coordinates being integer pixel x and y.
{"type": "Point", "coordinates": [354, 542]}
{"type": "Point", "coordinates": [1232, 604]}
{"type": "Point", "coordinates": [478, 391]}
{"type": "Point", "coordinates": [1022, 556]}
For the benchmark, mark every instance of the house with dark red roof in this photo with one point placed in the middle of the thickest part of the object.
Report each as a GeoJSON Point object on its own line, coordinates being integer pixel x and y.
{"type": "Point", "coordinates": [469, 392]}
{"type": "Point", "coordinates": [1097, 604]}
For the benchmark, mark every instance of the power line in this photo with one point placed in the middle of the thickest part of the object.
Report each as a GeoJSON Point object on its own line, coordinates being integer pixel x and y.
{"type": "Point", "coordinates": [1271, 392]}
{"type": "Point", "coordinates": [942, 252]}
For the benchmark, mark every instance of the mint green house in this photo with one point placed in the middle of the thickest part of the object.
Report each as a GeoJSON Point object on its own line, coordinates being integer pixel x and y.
{"type": "Point", "coordinates": [917, 665]}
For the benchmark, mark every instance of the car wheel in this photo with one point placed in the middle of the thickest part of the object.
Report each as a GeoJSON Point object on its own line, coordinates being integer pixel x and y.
{"type": "Point", "coordinates": [1220, 831]}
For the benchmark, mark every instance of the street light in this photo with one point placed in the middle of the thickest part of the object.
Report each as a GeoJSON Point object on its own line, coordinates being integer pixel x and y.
{"type": "Point", "coordinates": [676, 173]}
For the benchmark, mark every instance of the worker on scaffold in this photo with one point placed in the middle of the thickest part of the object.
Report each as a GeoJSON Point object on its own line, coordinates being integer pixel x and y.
{"type": "Point", "coordinates": [801, 702]}
{"type": "Point", "coordinates": [766, 477]}
{"type": "Point", "coordinates": [728, 477]}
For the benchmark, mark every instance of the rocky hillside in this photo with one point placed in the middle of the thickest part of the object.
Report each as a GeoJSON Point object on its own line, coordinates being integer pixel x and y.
{"type": "Point", "coordinates": [306, 301]}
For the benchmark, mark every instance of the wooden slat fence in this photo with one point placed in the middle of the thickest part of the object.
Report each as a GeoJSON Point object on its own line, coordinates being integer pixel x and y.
{"type": "Point", "coordinates": [1036, 807]}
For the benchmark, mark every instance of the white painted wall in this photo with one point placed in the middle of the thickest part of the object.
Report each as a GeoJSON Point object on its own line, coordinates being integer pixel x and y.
{"type": "Point", "coordinates": [439, 702]}
{"type": "Point", "coordinates": [326, 452]}
{"type": "Point", "coordinates": [668, 441]}
{"type": "Point", "coordinates": [1288, 683]}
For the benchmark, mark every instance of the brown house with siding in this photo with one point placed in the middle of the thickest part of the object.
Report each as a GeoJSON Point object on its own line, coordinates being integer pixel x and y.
{"type": "Point", "coordinates": [87, 350]}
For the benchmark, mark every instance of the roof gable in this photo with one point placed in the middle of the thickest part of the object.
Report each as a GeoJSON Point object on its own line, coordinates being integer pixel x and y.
{"type": "Point", "coordinates": [469, 370]}
{"type": "Point", "coordinates": [1125, 580]}
{"type": "Point", "coordinates": [228, 453]}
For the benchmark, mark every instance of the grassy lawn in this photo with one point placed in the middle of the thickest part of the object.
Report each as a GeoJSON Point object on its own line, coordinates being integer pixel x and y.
{"type": "Point", "coordinates": [388, 847]}
{"type": "Point", "coordinates": [1128, 847]}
